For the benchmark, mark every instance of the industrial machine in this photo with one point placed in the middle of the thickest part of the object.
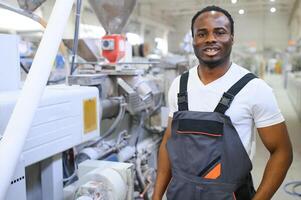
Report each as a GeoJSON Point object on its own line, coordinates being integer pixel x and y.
{"type": "Point", "coordinates": [97, 136]}
{"type": "Point", "coordinates": [66, 116]}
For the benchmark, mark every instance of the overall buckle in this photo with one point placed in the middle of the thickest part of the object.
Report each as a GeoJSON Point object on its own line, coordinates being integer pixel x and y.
{"type": "Point", "coordinates": [226, 99]}
{"type": "Point", "coordinates": [182, 98]}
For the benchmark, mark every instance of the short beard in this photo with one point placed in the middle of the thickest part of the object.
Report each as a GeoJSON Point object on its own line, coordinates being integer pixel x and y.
{"type": "Point", "coordinates": [212, 64]}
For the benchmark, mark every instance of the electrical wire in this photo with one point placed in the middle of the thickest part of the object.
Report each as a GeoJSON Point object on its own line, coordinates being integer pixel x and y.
{"type": "Point", "coordinates": [294, 185]}
{"type": "Point", "coordinates": [24, 68]}
{"type": "Point", "coordinates": [71, 177]}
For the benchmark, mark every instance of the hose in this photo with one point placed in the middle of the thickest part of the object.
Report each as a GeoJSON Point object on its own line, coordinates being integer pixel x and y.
{"type": "Point", "coordinates": [139, 173]}
{"type": "Point", "coordinates": [98, 152]}
{"type": "Point", "coordinates": [117, 120]}
{"type": "Point", "coordinates": [294, 185]}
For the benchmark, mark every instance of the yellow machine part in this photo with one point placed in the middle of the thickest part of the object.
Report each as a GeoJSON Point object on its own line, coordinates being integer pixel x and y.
{"type": "Point", "coordinates": [90, 115]}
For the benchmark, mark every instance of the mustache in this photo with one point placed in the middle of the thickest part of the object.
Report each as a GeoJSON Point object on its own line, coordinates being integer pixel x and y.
{"type": "Point", "coordinates": [211, 47]}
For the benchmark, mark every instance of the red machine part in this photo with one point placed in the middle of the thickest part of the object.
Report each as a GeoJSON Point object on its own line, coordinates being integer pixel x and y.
{"type": "Point", "coordinates": [113, 47]}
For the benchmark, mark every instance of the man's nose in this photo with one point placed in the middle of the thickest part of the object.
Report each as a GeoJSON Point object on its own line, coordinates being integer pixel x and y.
{"type": "Point", "coordinates": [210, 38]}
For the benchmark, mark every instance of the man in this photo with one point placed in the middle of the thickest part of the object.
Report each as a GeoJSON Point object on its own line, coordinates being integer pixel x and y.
{"type": "Point", "coordinates": [207, 149]}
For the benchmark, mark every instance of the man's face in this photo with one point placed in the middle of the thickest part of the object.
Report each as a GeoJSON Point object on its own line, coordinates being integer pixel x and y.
{"type": "Point", "coordinates": [212, 41]}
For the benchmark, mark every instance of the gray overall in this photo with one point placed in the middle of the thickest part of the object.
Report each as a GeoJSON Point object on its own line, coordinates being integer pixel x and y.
{"type": "Point", "coordinates": [208, 159]}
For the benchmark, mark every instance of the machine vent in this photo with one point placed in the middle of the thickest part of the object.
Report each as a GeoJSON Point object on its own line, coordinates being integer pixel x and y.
{"type": "Point", "coordinates": [17, 180]}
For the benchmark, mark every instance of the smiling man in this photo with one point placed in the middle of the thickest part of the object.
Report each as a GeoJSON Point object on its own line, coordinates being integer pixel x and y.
{"type": "Point", "coordinates": [207, 149]}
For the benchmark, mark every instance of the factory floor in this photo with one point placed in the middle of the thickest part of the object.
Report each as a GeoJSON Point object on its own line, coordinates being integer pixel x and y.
{"type": "Point", "coordinates": [294, 129]}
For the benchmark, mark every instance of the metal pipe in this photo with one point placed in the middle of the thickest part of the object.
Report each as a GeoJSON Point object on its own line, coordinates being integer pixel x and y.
{"type": "Point", "coordinates": [110, 108]}
{"type": "Point", "coordinates": [43, 23]}
{"type": "Point", "coordinates": [25, 13]}
{"type": "Point", "coordinates": [20, 122]}
{"type": "Point", "coordinates": [76, 32]}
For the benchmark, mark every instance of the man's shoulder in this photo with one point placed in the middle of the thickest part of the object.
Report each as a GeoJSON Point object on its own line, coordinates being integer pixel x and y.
{"type": "Point", "coordinates": [239, 70]}
{"type": "Point", "coordinates": [191, 71]}
{"type": "Point", "coordinates": [257, 85]}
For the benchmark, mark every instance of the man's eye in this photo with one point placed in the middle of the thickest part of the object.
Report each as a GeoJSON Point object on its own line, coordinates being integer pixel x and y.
{"type": "Point", "coordinates": [201, 34]}
{"type": "Point", "coordinates": [220, 33]}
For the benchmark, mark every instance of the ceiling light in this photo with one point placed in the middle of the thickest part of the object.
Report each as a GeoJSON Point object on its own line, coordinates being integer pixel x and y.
{"type": "Point", "coordinates": [273, 9]}
{"type": "Point", "coordinates": [234, 1]}
{"type": "Point", "coordinates": [241, 11]}
{"type": "Point", "coordinates": [272, 0]}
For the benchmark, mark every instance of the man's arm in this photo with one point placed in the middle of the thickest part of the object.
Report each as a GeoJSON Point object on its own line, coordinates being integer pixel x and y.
{"type": "Point", "coordinates": [276, 140]}
{"type": "Point", "coordinates": [164, 169]}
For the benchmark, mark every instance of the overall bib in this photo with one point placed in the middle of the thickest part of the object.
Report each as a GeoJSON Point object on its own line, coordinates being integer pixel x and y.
{"type": "Point", "coordinates": [208, 159]}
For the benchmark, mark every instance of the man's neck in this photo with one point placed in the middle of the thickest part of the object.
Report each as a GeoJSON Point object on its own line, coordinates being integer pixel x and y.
{"type": "Point", "coordinates": [208, 75]}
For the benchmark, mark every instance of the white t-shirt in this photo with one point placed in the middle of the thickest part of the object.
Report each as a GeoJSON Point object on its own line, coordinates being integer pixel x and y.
{"type": "Point", "coordinates": [255, 105]}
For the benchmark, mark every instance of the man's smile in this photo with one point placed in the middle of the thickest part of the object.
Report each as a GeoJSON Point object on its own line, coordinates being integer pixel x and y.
{"type": "Point", "coordinates": [211, 51]}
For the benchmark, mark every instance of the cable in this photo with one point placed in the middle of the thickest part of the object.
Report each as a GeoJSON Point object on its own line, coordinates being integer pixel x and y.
{"type": "Point", "coordinates": [68, 156]}
{"type": "Point", "coordinates": [294, 185]}
{"type": "Point", "coordinates": [24, 68]}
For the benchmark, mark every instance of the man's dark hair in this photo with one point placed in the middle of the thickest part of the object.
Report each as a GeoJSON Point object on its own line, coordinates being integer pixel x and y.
{"type": "Point", "coordinates": [217, 9]}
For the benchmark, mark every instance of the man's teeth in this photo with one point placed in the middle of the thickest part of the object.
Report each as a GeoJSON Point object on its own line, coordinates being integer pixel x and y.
{"type": "Point", "coordinates": [210, 50]}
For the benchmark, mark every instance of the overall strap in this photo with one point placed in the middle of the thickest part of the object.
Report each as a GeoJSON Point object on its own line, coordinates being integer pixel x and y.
{"type": "Point", "coordinates": [182, 95]}
{"type": "Point", "coordinates": [228, 96]}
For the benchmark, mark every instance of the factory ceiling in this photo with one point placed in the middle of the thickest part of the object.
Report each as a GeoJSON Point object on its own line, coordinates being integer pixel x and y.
{"type": "Point", "coordinates": [189, 7]}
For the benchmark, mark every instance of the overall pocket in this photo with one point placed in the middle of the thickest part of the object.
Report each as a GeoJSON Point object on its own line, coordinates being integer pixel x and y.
{"type": "Point", "coordinates": [209, 194]}
{"type": "Point", "coordinates": [179, 190]}
{"type": "Point", "coordinates": [215, 195]}
{"type": "Point", "coordinates": [199, 145]}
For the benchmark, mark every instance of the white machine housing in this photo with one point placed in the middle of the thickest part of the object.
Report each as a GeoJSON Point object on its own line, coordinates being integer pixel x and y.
{"type": "Point", "coordinates": [62, 121]}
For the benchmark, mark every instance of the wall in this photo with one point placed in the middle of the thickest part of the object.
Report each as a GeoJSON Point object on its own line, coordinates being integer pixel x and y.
{"type": "Point", "coordinates": [149, 23]}
{"type": "Point", "coordinates": [269, 30]}
{"type": "Point", "coordinates": [295, 22]}
{"type": "Point", "coordinates": [175, 37]}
